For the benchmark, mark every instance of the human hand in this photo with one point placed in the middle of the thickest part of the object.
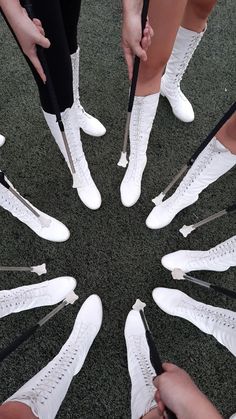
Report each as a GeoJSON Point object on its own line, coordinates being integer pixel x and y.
{"type": "Point", "coordinates": [177, 391]}
{"type": "Point", "coordinates": [28, 33]}
{"type": "Point", "coordinates": [133, 43]}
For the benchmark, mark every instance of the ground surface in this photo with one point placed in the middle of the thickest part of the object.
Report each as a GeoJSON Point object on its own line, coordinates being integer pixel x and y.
{"type": "Point", "coordinates": [110, 251]}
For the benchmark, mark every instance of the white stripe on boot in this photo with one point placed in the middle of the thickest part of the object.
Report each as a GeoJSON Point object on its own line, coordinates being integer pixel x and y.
{"type": "Point", "coordinates": [185, 45]}
{"type": "Point", "coordinates": [140, 369]}
{"type": "Point", "coordinates": [213, 162]}
{"type": "Point", "coordinates": [45, 392]}
{"type": "Point", "coordinates": [215, 321]}
{"type": "Point", "coordinates": [86, 188]}
{"type": "Point", "coordinates": [88, 123]}
{"type": "Point", "coordinates": [142, 117]}
{"type": "Point", "coordinates": [38, 295]}
{"type": "Point", "coordinates": [218, 259]}
{"type": "Point", "coordinates": [55, 231]}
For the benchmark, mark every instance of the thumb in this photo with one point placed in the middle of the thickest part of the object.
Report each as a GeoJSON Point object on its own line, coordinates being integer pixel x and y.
{"type": "Point", "coordinates": [168, 367]}
{"type": "Point", "coordinates": [42, 41]}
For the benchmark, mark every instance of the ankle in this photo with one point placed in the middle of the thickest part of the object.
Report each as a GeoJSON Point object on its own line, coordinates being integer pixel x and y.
{"type": "Point", "coordinates": [153, 414]}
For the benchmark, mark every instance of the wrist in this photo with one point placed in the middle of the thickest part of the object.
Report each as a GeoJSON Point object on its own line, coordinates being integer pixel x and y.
{"type": "Point", "coordinates": [132, 7]}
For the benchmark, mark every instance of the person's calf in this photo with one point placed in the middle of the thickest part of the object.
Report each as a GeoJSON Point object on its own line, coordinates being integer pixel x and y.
{"type": "Point", "coordinates": [16, 410]}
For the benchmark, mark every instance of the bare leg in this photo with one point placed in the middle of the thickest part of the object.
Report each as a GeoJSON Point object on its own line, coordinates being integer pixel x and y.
{"type": "Point", "coordinates": [196, 14]}
{"type": "Point", "coordinates": [16, 410]}
{"type": "Point", "coordinates": [165, 17]}
{"type": "Point", "coordinates": [189, 35]}
{"type": "Point", "coordinates": [227, 134]}
{"type": "Point", "coordinates": [153, 414]}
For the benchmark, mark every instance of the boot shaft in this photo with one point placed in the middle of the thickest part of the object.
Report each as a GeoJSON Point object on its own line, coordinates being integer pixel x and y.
{"type": "Point", "coordinates": [184, 47]}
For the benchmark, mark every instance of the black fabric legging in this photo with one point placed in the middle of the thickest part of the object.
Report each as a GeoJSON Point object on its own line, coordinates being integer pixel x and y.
{"type": "Point", "coordinates": [60, 20]}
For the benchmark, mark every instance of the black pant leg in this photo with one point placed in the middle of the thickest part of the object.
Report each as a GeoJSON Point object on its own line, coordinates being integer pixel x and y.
{"type": "Point", "coordinates": [58, 55]}
{"type": "Point", "coordinates": [71, 12]}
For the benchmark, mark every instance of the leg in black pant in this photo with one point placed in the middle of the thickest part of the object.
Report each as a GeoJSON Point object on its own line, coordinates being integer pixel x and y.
{"type": "Point", "coordinates": [71, 12]}
{"type": "Point", "coordinates": [59, 63]}
{"type": "Point", "coordinates": [67, 18]}
{"type": "Point", "coordinates": [58, 55]}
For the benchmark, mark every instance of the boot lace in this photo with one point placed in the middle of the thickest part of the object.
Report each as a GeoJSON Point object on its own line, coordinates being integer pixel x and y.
{"type": "Point", "coordinates": [138, 149]}
{"type": "Point", "coordinates": [186, 58]}
{"type": "Point", "coordinates": [10, 203]}
{"type": "Point", "coordinates": [221, 250]}
{"type": "Point", "coordinates": [139, 357]}
{"type": "Point", "coordinates": [193, 174]}
{"type": "Point", "coordinates": [142, 374]}
{"type": "Point", "coordinates": [18, 298]}
{"type": "Point", "coordinates": [76, 149]}
{"type": "Point", "coordinates": [204, 311]}
{"type": "Point", "coordinates": [75, 349]}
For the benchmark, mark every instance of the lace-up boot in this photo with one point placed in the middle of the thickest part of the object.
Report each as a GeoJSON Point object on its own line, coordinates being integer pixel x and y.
{"type": "Point", "coordinates": [218, 259]}
{"type": "Point", "coordinates": [142, 117]}
{"type": "Point", "coordinates": [88, 123]}
{"type": "Point", "coordinates": [44, 226]}
{"type": "Point", "coordinates": [214, 321]}
{"type": "Point", "coordinates": [140, 369]}
{"type": "Point", "coordinates": [44, 294]}
{"type": "Point", "coordinates": [212, 163]}
{"type": "Point", "coordinates": [185, 44]}
{"type": "Point", "coordinates": [82, 180]}
{"type": "Point", "coordinates": [2, 140]}
{"type": "Point", "coordinates": [45, 392]}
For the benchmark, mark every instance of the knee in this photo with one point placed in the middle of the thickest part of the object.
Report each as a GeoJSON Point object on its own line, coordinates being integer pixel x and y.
{"type": "Point", "coordinates": [154, 69]}
{"type": "Point", "coordinates": [202, 9]}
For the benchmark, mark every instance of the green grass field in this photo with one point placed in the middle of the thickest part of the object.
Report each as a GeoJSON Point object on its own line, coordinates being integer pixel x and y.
{"type": "Point", "coordinates": [111, 252]}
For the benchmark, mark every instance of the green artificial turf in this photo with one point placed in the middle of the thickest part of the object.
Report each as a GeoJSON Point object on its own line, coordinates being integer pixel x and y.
{"type": "Point", "coordinates": [110, 251]}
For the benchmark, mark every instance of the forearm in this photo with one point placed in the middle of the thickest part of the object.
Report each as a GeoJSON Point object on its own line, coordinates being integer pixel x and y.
{"type": "Point", "coordinates": [199, 408]}
{"type": "Point", "coordinates": [133, 7]}
{"type": "Point", "coordinates": [12, 10]}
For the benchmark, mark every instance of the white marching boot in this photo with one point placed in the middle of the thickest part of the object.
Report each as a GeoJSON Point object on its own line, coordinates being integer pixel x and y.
{"type": "Point", "coordinates": [218, 259]}
{"type": "Point", "coordinates": [44, 226]}
{"type": "Point", "coordinates": [88, 123]}
{"type": "Point", "coordinates": [86, 188]}
{"type": "Point", "coordinates": [43, 294]}
{"type": "Point", "coordinates": [45, 392]}
{"type": "Point", "coordinates": [140, 369]}
{"type": "Point", "coordinates": [213, 162]}
{"type": "Point", "coordinates": [2, 140]}
{"type": "Point", "coordinates": [142, 117]}
{"type": "Point", "coordinates": [185, 44]}
{"type": "Point", "coordinates": [215, 321]}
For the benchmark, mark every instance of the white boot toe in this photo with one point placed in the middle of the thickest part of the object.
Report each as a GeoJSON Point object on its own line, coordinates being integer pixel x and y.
{"type": "Point", "coordinates": [167, 299]}
{"type": "Point", "coordinates": [90, 196]}
{"type": "Point", "coordinates": [55, 231]}
{"type": "Point", "coordinates": [2, 140]}
{"type": "Point", "coordinates": [183, 110]}
{"type": "Point", "coordinates": [175, 260]}
{"type": "Point", "coordinates": [59, 288]}
{"type": "Point", "coordinates": [159, 217]}
{"type": "Point", "coordinates": [130, 193]}
{"type": "Point", "coordinates": [90, 125]}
